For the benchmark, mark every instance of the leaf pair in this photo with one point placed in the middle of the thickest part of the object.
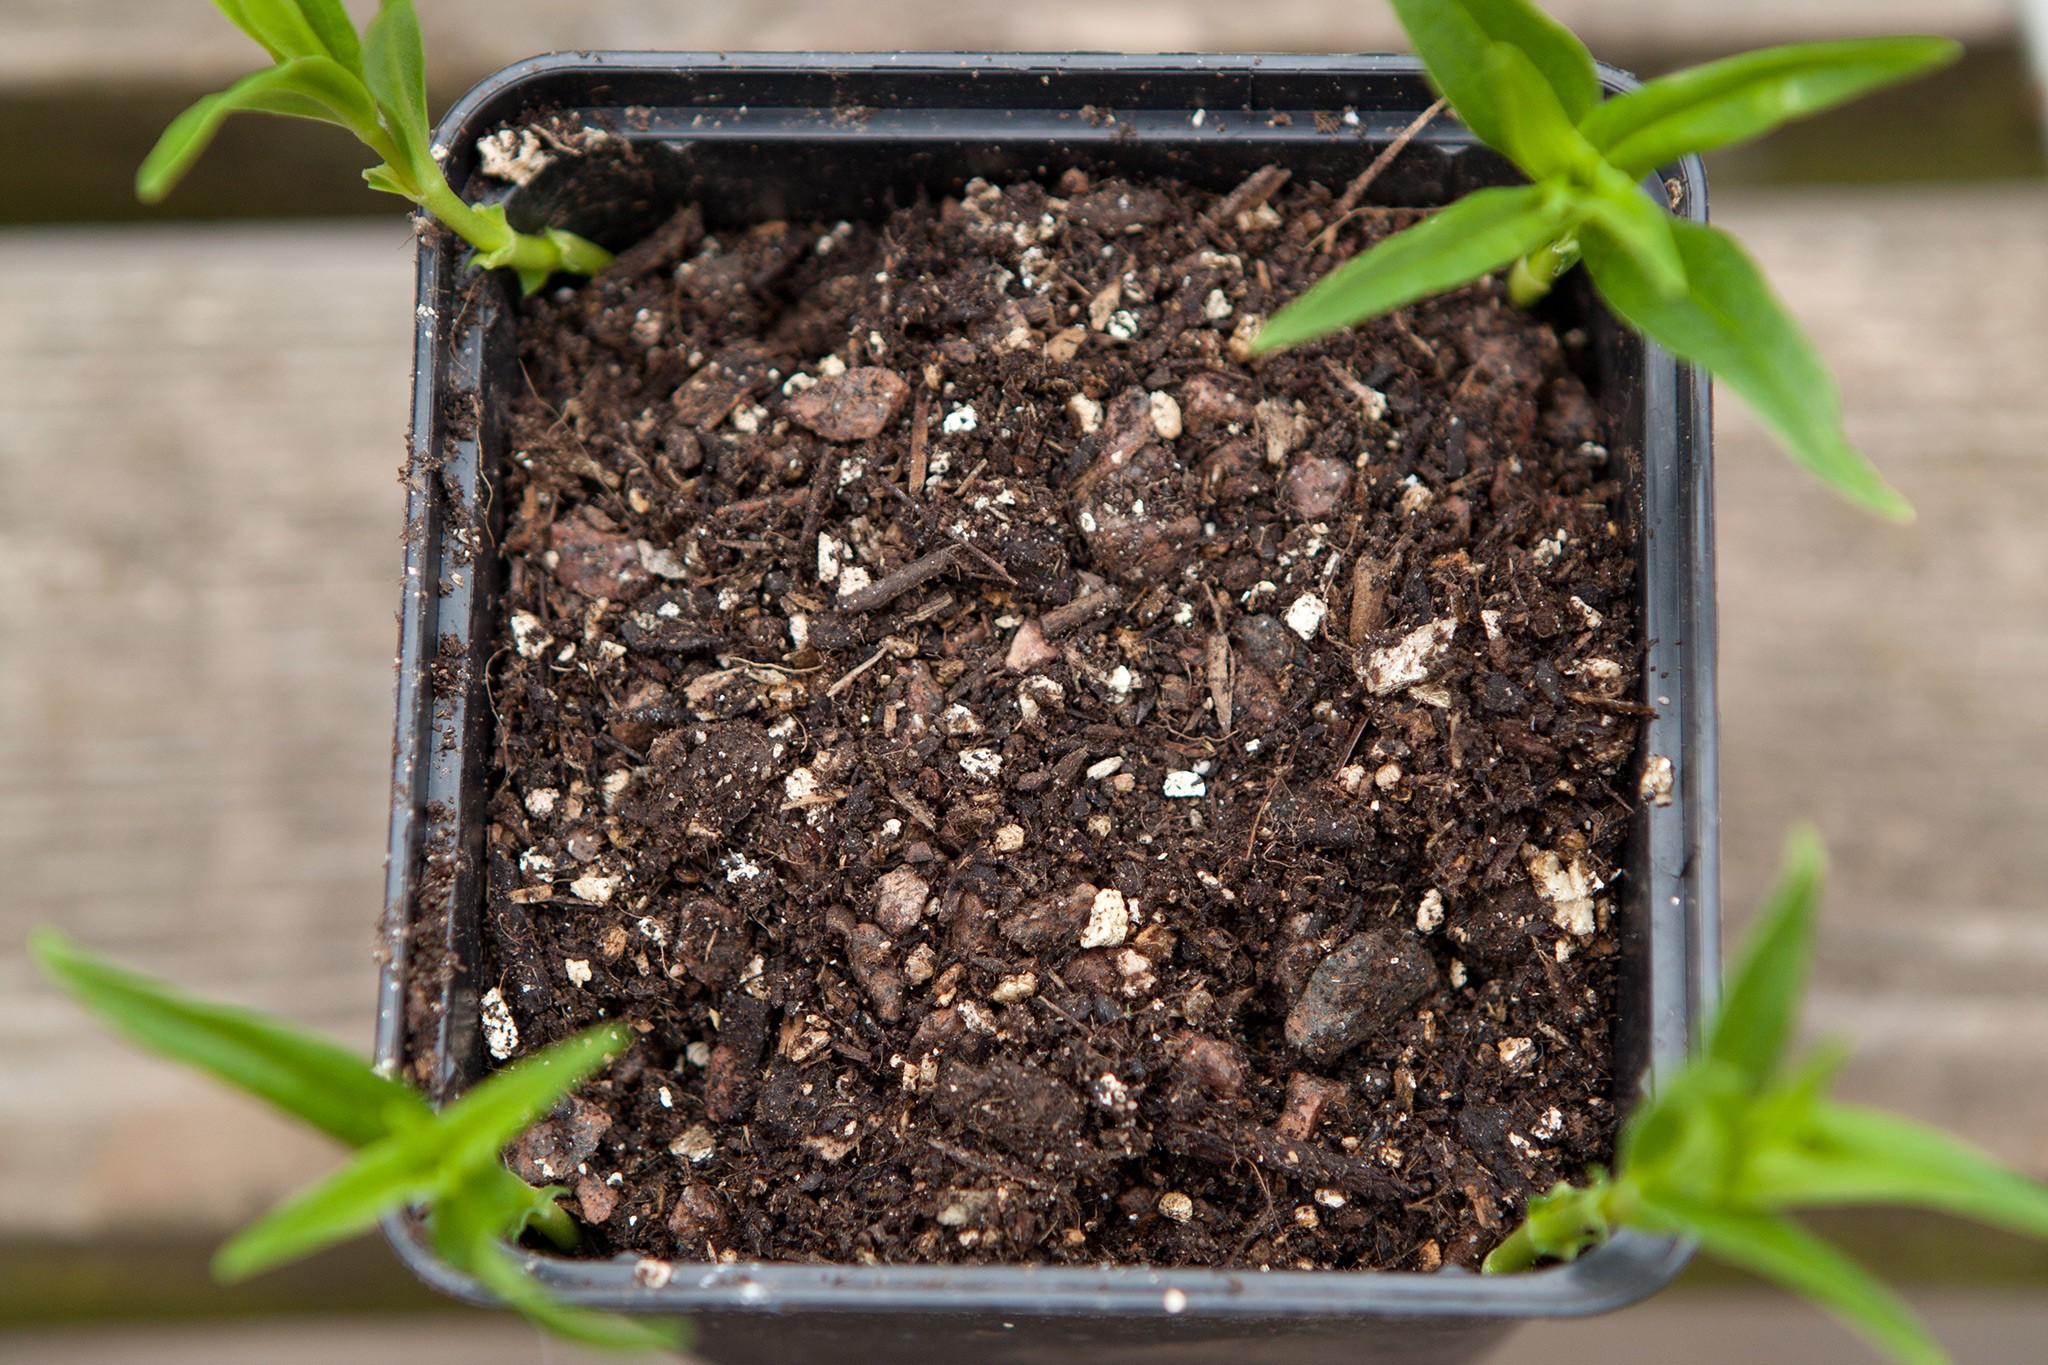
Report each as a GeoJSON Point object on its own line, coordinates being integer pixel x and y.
{"type": "Point", "coordinates": [1725, 1148]}
{"type": "Point", "coordinates": [376, 87]}
{"type": "Point", "coordinates": [1526, 86]}
{"type": "Point", "coordinates": [407, 1155]}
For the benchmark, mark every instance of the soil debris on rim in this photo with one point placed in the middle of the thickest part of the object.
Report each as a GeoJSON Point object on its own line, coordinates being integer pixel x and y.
{"type": "Point", "coordinates": [1039, 786]}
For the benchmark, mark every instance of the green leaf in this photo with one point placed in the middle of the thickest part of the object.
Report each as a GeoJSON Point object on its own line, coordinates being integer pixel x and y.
{"type": "Point", "coordinates": [299, 1072]}
{"type": "Point", "coordinates": [336, 31]}
{"type": "Point", "coordinates": [1733, 100]}
{"type": "Point", "coordinates": [1452, 46]}
{"type": "Point", "coordinates": [1540, 136]}
{"type": "Point", "coordinates": [499, 1273]}
{"type": "Point", "coordinates": [1688, 1137]}
{"type": "Point", "coordinates": [400, 1171]}
{"type": "Point", "coordinates": [1779, 1249]}
{"type": "Point", "coordinates": [278, 25]}
{"type": "Point", "coordinates": [317, 88]}
{"type": "Point", "coordinates": [1731, 323]}
{"type": "Point", "coordinates": [395, 67]}
{"type": "Point", "coordinates": [467, 1228]}
{"type": "Point", "coordinates": [1852, 1155]}
{"type": "Point", "coordinates": [1641, 227]}
{"type": "Point", "coordinates": [474, 1129]}
{"type": "Point", "coordinates": [1552, 48]}
{"type": "Point", "coordinates": [390, 182]}
{"type": "Point", "coordinates": [1760, 1005]}
{"type": "Point", "coordinates": [1452, 36]}
{"type": "Point", "coordinates": [425, 1162]}
{"type": "Point", "coordinates": [1453, 246]}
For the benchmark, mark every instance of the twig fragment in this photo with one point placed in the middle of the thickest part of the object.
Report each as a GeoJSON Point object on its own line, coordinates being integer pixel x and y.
{"type": "Point", "coordinates": [889, 587]}
{"type": "Point", "coordinates": [1347, 203]}
{"type": "Point", "coordinates": [920, 440]}
{"type": "Point", "coordinates": [1219, 671]}
{"type": "Point", "coordinates": [1060, 620]}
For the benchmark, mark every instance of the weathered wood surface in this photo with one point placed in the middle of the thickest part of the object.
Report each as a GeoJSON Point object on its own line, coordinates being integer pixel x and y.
{"type": "Point", "coordinates": [183, 41]}
{"type": "Point", "coordinates": [1982, 1327]}
{"type": "Point", "coordinates": [199, 431]}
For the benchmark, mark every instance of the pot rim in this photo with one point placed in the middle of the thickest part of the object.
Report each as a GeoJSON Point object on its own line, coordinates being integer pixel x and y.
{"type": "Point", "coordinates": [1681, 856]}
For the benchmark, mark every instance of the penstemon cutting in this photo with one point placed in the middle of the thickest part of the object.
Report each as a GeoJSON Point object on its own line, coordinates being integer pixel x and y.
{"type": "Point", "coordinates": [407, 1156]}
{"type": "Point", "coordinates": [1720, 1151]}
{"type": "Point", "coordinates": [375, 86]}
{"type": "Point", "coordinates": [1526, 86]}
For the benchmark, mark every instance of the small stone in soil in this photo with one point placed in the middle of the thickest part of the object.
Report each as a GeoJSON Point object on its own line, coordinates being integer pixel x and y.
{"type": "Point", "coordinates": [855, 406]}
{"type": "Point", "coordinates": [695, 1144]}
{"type": "Point", "coordinates": [552, 1149]}
{"type": "Point", "coordinates": [1364, 985]}
{"type": "Point", "coordinates": [597, 563]}
{"type": "Point", "coordinates": [900, 900]}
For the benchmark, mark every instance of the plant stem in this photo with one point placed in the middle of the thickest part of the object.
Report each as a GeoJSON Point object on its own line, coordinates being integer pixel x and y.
{"type": "Point", "coordinates": [1515, 1255]}
{"type": "Point", "coordinates": [533, 256]}
{"type": "Point", "coordinates": [553, 1222]}
{"type": "Point", "coordinates": [1533, 275]}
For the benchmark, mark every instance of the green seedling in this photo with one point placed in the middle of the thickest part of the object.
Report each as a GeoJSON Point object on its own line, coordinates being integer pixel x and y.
{"type": "Point", "coordinates": [1721, 1151]}
{"type": "Point", "coordinates": [449, 1164]}
{"type": "Point", "coordinates": [1525, 86]}
{"type": "Point", "coordinates": [375, 86]}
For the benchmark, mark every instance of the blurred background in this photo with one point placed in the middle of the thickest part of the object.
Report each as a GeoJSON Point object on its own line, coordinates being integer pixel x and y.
{"type": "Point", "coordinates": [202, 414]}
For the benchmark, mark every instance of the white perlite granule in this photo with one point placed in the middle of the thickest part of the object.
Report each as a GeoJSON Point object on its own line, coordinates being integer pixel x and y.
{"type": "Point", "coordinates": [1411, 659]}
{"type": "Point", "coordinates": [1305, 617]}
{"type": "Point", "coordinates": [501, 1034]}
{"type": "Point", "coordinates": [1109, 920]}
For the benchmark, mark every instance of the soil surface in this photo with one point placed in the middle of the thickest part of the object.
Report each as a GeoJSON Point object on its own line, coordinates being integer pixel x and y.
{"type": "Point", "coordinates": [1042, 785]}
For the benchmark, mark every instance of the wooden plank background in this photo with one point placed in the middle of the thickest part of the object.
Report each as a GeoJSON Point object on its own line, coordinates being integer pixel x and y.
{"type": "Point", "coordinates": [199, 435]}
{"type": "Point", "coordinates": [139, 42]}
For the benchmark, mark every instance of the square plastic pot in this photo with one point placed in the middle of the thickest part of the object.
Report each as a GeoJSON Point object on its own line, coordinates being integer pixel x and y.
{"type": "Point", "coordinates": [828, 136]}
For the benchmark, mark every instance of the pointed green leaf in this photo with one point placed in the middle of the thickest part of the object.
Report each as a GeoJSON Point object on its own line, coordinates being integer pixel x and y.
{"type": "Point", "coordinates": [1688, 1137]}
{"type": "Point", "coordinates": [1452, 46]}
{"type": "Point", "coordinates": [426, 1162]}
{"type": "Point", "coordinates": [1539, 135]}
{"type": "Point", "coordinates": [468, 1226]}
{"type": "Point", "coordinates": [299, 1072]}
{"type": "Point", "coordinates": [336, 31]}
{"type": "Point", "coordinates": [1779, 1249]}
{"type": "Point", "coordinates": [1852, 1155]}
{"type": "Point", "coordinates": [1640, 226]}
{"type": "Point", "coordinates": [1731, 323]}
{"type": "Point", "coordinates": [278, 25]}
{"type": "Point", "coordinates": [499, 1273]}
{"type": "Point", "coordinates": [390, 182]}
{"type": "Point", "coordinates": [1733, 100]}
{"type": "Point", "coordinates": [396, 1173]}
{"type": "Point", "coordinates": [1453, 246]}
{"type": "Point", "coordinates": [317, 88]}
{"type": "Point", "coordinates": [1552, 48]}
{"type": "Point", "coordinates": [1451, 37]}
{"type": "Point", "coordinates": [474, 1129]}
{"type": "Point", "coordinates": [395, 67]}
{"type": "Point", "coordinates": [1760, 1006]}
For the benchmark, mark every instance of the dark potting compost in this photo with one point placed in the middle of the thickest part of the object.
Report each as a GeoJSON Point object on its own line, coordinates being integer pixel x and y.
{"type": "Point", "coordinates": [1041, 784]}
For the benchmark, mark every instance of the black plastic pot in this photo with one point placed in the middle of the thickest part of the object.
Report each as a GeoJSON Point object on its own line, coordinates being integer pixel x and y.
{"type": "Point", "coordinates": [829, 136]}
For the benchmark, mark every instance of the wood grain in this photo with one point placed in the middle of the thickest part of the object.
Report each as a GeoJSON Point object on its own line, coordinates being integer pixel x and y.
{"type": "Point", "coordinates": [86, 42]}
{"type": "Point", "coordinates": [199, 430]}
